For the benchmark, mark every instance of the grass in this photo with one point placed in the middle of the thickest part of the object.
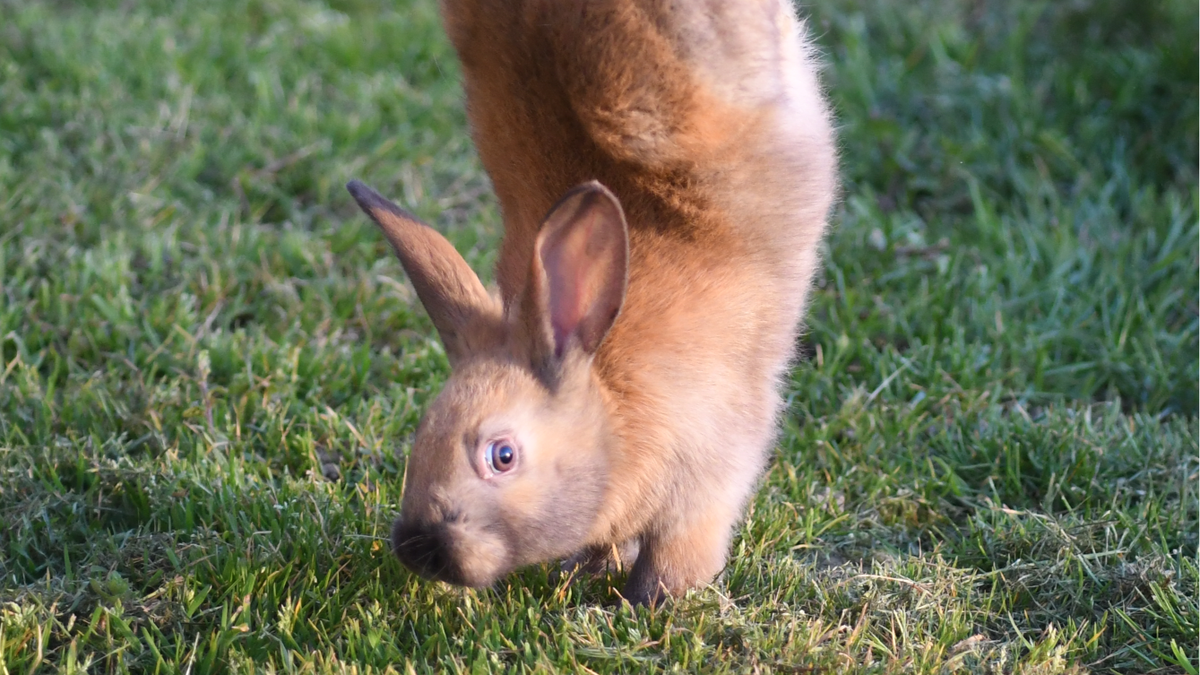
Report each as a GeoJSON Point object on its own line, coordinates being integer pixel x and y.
{"type": "Point", "coordinates": [210, 363]}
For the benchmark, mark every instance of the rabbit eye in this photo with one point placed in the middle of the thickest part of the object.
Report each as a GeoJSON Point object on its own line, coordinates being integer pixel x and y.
{"type": "Point", "coordinates": [501, 456]}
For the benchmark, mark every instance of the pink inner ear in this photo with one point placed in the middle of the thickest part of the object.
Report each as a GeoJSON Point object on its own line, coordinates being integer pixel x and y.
{"type": "Point", "coordinates": [583, 254]}
{"type": "Point", "coordinates": [568, 271]}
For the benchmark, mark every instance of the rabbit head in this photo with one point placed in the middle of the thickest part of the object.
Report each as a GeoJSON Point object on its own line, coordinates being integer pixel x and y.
{"type": "Point", "coordinates": [510, 464]}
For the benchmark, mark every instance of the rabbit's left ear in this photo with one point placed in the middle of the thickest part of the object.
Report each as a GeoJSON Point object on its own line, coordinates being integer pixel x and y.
{"type": "Point", "coordinates": [448, 288]}
{"type": "Point", "coordinates": [580, 271]}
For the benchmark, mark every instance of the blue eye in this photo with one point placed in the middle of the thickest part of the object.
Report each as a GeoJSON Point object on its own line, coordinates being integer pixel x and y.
{"type": "Point", "coordinates": [501, 456]}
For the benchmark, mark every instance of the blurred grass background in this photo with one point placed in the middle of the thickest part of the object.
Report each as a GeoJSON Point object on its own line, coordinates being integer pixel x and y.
{"type": "Point", "coordinates": [210, 363]}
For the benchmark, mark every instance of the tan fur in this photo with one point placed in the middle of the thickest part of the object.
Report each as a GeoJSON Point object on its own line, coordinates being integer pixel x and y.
{"type": "Point", "coordinates": [705, 120]}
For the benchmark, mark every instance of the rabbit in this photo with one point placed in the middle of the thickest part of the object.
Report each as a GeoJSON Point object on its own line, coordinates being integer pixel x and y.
{"type": "Point", "coordinates": [664, 170]}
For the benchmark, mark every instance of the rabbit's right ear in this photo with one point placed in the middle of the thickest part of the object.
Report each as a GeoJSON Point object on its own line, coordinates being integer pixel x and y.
{"type": "Point", "coordinates": [580, 271]}
{"type": "Point", "coordinates": [448, 288]}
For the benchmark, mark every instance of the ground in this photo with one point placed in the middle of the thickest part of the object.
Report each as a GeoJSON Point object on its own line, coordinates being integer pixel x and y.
{"type": "Point", "coordinates": [210, 363]}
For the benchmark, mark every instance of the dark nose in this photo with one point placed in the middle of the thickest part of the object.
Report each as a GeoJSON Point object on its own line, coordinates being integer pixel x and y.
{"type": "Point", "coordinates": [424, 550]}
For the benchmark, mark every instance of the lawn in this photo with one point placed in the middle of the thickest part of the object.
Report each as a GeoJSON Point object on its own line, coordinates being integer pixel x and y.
{"type": "Point", "coordinates": [211, 364]}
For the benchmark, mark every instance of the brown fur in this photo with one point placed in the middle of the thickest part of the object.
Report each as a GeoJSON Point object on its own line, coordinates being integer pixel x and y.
{"type": "Point", "coordinates": [705, 120]}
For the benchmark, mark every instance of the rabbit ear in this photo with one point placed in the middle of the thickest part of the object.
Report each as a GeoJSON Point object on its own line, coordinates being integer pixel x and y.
{"type": "Point", "coordinates": [448, 288]}
{"type": "Point", "coordinates": [580, 270]}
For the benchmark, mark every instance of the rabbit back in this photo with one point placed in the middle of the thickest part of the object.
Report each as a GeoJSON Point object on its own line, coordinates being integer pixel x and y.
{"type": "Point", "coordinates": [705, 118]}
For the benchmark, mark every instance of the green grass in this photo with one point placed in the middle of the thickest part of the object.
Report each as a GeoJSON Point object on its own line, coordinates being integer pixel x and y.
{"type": "Point", "coordinates": [210, 364]}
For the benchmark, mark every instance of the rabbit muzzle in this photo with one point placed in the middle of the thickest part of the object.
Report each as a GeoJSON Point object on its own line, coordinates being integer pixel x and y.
{"type": "Point", "coordinates": [447, 551]}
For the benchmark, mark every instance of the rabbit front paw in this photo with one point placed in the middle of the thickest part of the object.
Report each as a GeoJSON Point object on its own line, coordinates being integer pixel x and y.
{"type": "Point", "coordinates": [670, 565]}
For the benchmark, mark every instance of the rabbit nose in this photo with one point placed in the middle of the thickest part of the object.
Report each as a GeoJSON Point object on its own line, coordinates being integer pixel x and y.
{"type": "Point", "coordinates": [424, 549]}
